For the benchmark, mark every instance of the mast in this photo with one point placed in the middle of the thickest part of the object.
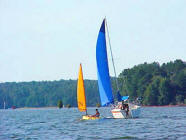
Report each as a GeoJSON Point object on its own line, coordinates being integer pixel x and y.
{"type": "Point", "coordinates": [116, 80]}
{"type": "Point", "coordinates": [4, 105]}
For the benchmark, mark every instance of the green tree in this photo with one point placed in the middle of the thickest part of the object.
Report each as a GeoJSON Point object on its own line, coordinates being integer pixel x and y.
{"type": "Point", "coordinates": [60, 104]}
{"type": "Point", "coordinates": [164, 97]}
{"type": "Point", "coordinates": [150, 95]}
{"type": "Point", "coordinates": [179, 99]}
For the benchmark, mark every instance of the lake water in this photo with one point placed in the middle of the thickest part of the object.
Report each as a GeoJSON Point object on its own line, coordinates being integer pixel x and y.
{"type": "Point", "coordinates": [59, 124]}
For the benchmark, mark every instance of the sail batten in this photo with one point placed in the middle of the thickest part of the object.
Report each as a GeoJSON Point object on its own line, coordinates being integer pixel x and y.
{"type": "Point", "coordinates": [104, 83]}
{"type": "Point", "coordinates": [81, 98]}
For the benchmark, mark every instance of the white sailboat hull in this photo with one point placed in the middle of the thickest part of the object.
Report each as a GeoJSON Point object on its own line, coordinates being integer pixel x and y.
{"type": "Point", "coordinates": [118, 113]}
{"type": "Point", "coordinates": [134, 112]}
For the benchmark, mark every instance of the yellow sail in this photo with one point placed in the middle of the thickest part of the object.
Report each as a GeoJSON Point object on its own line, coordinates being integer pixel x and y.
{"type": "Point", "coordinates": [81, 99]}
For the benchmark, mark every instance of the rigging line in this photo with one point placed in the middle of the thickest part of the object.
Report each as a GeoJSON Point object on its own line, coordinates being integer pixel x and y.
{"type": "Point", "coordinates": [116, 80]}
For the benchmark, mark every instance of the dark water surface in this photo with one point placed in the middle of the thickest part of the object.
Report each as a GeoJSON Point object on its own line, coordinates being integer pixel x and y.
{"type": "Point", "coordinates": [58, 124]}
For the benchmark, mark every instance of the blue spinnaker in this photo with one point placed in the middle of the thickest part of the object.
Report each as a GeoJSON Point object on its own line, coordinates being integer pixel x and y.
{"type": "Point", "coordinates": [124, 98]}
{"type": "Point", "coordinates": [104, 83]}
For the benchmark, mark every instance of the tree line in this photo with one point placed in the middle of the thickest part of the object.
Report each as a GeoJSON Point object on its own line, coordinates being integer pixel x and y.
{"type": "Point", "coordinates": [45, 93]}
{"type": "Point", "coordinates": [152, 83]}
{"type": "Point", "coordinates": [155, 84]}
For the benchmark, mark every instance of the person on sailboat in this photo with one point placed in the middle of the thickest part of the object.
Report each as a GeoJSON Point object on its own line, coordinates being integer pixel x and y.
{"type": "Point", "coordinates": [125, 106]}
{"type": "Point", "coordinates": [127, 109]}
{"type": "Point", "coordinates": [97, 114]}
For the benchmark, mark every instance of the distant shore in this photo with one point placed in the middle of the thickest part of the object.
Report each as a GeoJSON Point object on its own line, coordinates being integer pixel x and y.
{"type": "Point", "coordinates": [179, 105]}
{"type": "Point", "coordinates": [54, 107]}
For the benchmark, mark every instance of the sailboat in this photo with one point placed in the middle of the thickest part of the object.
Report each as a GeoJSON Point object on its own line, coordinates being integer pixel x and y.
{"type": "Point", "coordinates": [4, 105]}
{"type": "Point", "coordinates": [81, 98]}
{"type": "Point", "coordinates": [104, 83]}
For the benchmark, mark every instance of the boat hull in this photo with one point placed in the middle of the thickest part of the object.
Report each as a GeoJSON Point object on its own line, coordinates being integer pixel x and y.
{"type": "Point", "coordinates": [118, 113]}
{"type": "Point", "coordinates": [134, 112]}
{"type": "Point", "coordinates": [87, 117]}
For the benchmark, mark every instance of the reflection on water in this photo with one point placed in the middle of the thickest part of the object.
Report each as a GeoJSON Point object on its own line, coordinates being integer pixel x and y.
{"type": "Point", "coordinates": [154, 123]}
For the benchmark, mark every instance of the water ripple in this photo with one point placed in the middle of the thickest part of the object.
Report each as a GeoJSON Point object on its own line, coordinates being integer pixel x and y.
{"type": "Point", "coordinates": [39, 124]}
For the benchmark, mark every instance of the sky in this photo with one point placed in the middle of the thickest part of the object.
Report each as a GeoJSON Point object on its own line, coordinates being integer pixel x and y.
{"type": "Point", "coordinates": [48, 39]}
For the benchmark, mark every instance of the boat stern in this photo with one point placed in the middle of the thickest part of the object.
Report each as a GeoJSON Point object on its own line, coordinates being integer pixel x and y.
{"type": "Point", "coordinates": [118, 113]}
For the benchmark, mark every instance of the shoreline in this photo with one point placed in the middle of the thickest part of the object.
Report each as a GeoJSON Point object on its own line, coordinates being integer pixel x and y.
{"type": "Point", "coordinates": [54, 107]}
{"type": "Point", "coordinates": [179, 105]}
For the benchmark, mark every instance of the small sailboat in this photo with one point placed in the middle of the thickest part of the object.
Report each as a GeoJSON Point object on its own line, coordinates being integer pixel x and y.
{"type": "Point", "coordinates": [81, 98]}
{"type": "Point", "coordinates": [4, 105]}
{"type": "Point", "coordinates": [104, 83]}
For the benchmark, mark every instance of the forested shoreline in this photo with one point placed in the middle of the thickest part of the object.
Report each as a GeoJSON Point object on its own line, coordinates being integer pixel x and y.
{"type": "Point", "coordinates": [154, 84]}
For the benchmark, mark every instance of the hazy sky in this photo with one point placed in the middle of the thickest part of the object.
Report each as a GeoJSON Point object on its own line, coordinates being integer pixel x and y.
{"type": "Point", "coordinates": [47, 39]}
